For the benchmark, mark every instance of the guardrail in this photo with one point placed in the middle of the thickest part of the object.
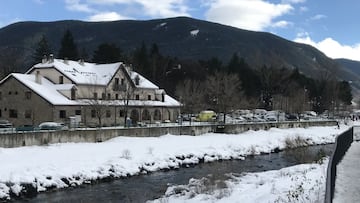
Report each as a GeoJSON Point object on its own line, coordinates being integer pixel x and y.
{"type": "Point", "coordinates": [342, 144]}
{"type": "Point", "coordinates": [43, 137]}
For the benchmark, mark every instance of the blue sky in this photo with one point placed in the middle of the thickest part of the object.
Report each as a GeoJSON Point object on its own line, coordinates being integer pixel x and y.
{"type": "Point", "coordinates": [330, 26]}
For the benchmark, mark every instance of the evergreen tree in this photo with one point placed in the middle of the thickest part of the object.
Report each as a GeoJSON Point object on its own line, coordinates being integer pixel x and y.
{"type": "Point", "coordinates": [68, 47]}
{"type": "Point", "coordinates": [84, 54]}
{"type": "Point", "coordinates": [344, 93]}
{"type": "Point", "coordinates": [141, 60]}
{"type": "Point", "coordinates": [107, 53]}
{"type": "Point", "coordinates": [42, 49]}
{"type": "Point", "coordinates": [234, 64]}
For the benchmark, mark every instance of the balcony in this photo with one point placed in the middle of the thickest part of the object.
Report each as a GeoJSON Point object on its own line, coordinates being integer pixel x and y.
{"type": "Point", "coordinates": [119, 87]}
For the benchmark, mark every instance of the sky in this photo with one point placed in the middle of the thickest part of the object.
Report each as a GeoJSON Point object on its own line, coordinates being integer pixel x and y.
{"type": "Point", "coordinates": [330, 26]}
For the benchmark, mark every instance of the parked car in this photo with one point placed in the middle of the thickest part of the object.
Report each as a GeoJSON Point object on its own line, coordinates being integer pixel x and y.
{"type": "Point", "coordinates": [23, 128]}
{"type": "Point", "coordinates": [206, 116]}
{"type": "Point", "coordinates": [5, 124]}
{"type": "Point", "coordinates": [52, 126]}
{"type": "Point", "coordinates": [291, 117]}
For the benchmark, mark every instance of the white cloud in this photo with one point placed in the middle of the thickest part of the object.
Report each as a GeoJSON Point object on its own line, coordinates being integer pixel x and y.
{"type": "Point", "coordinates": [282, 24]}
{"type": "Point", "coordinates": [75, 5]}
{"type": "Point", "coordinates": [318, 17]}
{"type": "Point", "coordinates": [107, 16]}
{"type": "Point", "coordinates": [293, 1]}
{"type": "Point", "coordinates": [331, 47]}
{"type": "Point", "coordinates": [164, 8]}
{"type": "Point", "coordinates": [247, 14]}
{"type": "Point", "coordinates": [151, 8]}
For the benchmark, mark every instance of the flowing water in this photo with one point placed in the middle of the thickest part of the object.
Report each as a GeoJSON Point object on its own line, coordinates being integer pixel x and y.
{"type": "Point", "coordinates": [152, 186]}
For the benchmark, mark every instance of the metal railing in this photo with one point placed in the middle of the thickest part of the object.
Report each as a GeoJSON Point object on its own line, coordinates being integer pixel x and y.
{"type": "Point", "coordinates": [342, 144]}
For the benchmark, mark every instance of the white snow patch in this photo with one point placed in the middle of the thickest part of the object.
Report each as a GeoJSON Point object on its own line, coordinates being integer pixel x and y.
{"type": "Point", "coordinates": [194, 32]}
{"type": "Point", "coordinates": [300, 183]}
{"type": "Point", "coordinates": [347, 172]}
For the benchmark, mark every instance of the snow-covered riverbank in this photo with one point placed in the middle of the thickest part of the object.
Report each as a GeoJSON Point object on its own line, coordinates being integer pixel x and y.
{"type": "Point", "coordinates": [300, 183]}
{"type": "Point", "coordinates": [70, 164]}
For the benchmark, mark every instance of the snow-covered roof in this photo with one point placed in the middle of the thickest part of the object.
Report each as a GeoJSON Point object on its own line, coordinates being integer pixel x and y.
{"type": "Point", "coordinates": [51, 92]}
{"type": "Point", "coordinates": [143, 82]}
{"type": "Point", "coordinates": [47, 90]}
{"type": "Point", "coordinates": [82, 72]}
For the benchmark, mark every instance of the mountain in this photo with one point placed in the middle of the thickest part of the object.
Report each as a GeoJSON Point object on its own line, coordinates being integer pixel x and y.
{"type": "Point", "coordinates": [350, 65]}
{"type": "Point", "coordinates": [353, 67]}
{"type": "Point", "coordinates": [183, 37]}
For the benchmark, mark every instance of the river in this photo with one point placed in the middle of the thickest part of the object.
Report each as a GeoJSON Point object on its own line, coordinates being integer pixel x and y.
{"type": "Point", "coordinates": [151, 186]}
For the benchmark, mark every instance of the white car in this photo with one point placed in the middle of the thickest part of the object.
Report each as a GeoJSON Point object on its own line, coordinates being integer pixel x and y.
{"type": "Point", "coordinates": [52, 126]}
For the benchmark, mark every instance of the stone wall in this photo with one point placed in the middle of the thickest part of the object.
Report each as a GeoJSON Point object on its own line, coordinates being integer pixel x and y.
{"type": "Point", "coordinates": [97, 135]}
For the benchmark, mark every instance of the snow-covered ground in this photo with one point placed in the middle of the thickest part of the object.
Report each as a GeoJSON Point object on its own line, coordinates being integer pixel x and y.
{"type": "Point", "coordinates": [300, 183]}
{"type": "Point", "coordinates": [71, 164]}
{"type": "Point", "coordinates": [347, 176]}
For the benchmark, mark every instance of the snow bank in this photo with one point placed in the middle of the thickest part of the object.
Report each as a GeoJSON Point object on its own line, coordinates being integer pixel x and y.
{"type": "Point", "coordinates": [70, 164]}
{"type": "Point", "coordinates": [300, 183]}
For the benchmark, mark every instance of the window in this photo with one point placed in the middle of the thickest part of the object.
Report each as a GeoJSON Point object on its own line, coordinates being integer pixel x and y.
{"type": "Point", "coordinates": [73, 94]}
{"type": "Point", "coordinates": [28, 113]}
{"type": "Point", "coordinates": [149, 97]}
{"type": "Point", "coordinates": [0, 113]}
{"type": "Point", "coordinates": [137, 80]}
{"type": "Point", "coordinates": [62, 114]}
{"type": "Point", "coordinates": [157, 114]}
{"type": "Point", "coordinates": [116, 81]}
{"type": "Point", "coordinates": [122, 113]}
{"type": "Point", "coordinates": [116, 96]}
{"type": "Point", "coordinates": [103, 96]}
{"type": "Point", "coordinates": [137, 97]}
{"type": "Point", "coordinates": [93, 113]}
{"type": "Point", "coordinates": [10, 92]}
{"type": "Point", "coordinates": [108, 113]}
{"type": "Point", "coordinates": [0, 95]}
{"type": "Point", "coordinates": [95, 95]}
{"type": "Point", "coordinates": [28, 95]}
{"type": "Point", "coordinates": [13, 113]}
{"type": "Point", "coordinates": [77, 112]}
{"type": "Point", "coordinates": [108, 96]}
{"type": "Point", "coordinates": [122, 81]}
{"type": "Point", "coordinates": [61, 79]}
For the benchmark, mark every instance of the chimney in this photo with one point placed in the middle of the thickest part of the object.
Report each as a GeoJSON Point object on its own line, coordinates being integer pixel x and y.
{"type": "Point", "coordinates": [137, 80]}
{"type": "Point", "coordinates": [51, 58]}
{"type": "Point", "coordinates": [38, 77]}
{"type": "Point", "coordinates": [81, 61]}
{"type": "Point", "coordinates": [66, 61]}
{"type": "Point", "coordinates": [44, 59]}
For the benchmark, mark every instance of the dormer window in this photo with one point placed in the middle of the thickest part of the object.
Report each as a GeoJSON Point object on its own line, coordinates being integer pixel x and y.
{"type": "Point", "coordinates": [137, 80]}
{"type": "Point", "coordinates": [61, 79]}
{"type": "Point", "coordinates": [73, 93]}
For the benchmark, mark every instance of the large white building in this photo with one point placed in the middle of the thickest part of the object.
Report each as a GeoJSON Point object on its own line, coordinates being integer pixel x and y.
{"type": "Point", "coordinates": [94, 94]}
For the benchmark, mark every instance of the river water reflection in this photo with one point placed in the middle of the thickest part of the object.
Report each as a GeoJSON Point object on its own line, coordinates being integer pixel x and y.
{"type": "Point", "coordinates": [152, 186]}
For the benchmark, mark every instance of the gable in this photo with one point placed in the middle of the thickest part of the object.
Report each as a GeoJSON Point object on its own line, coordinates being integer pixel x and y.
{"type": "Point", "coordinates": [82, 72]}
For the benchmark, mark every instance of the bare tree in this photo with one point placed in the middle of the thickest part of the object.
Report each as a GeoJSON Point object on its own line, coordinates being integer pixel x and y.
{"type": "Point", "coordinates": [223, 92]}
{"type": "Point", "coordinates": [12, 59]}
{"type": "Point", "coordinates": [126, 90]}
{"type": "Point", "coordinates": [97, 105]}
{"type": "Point", "coordinates": [191, 95]}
